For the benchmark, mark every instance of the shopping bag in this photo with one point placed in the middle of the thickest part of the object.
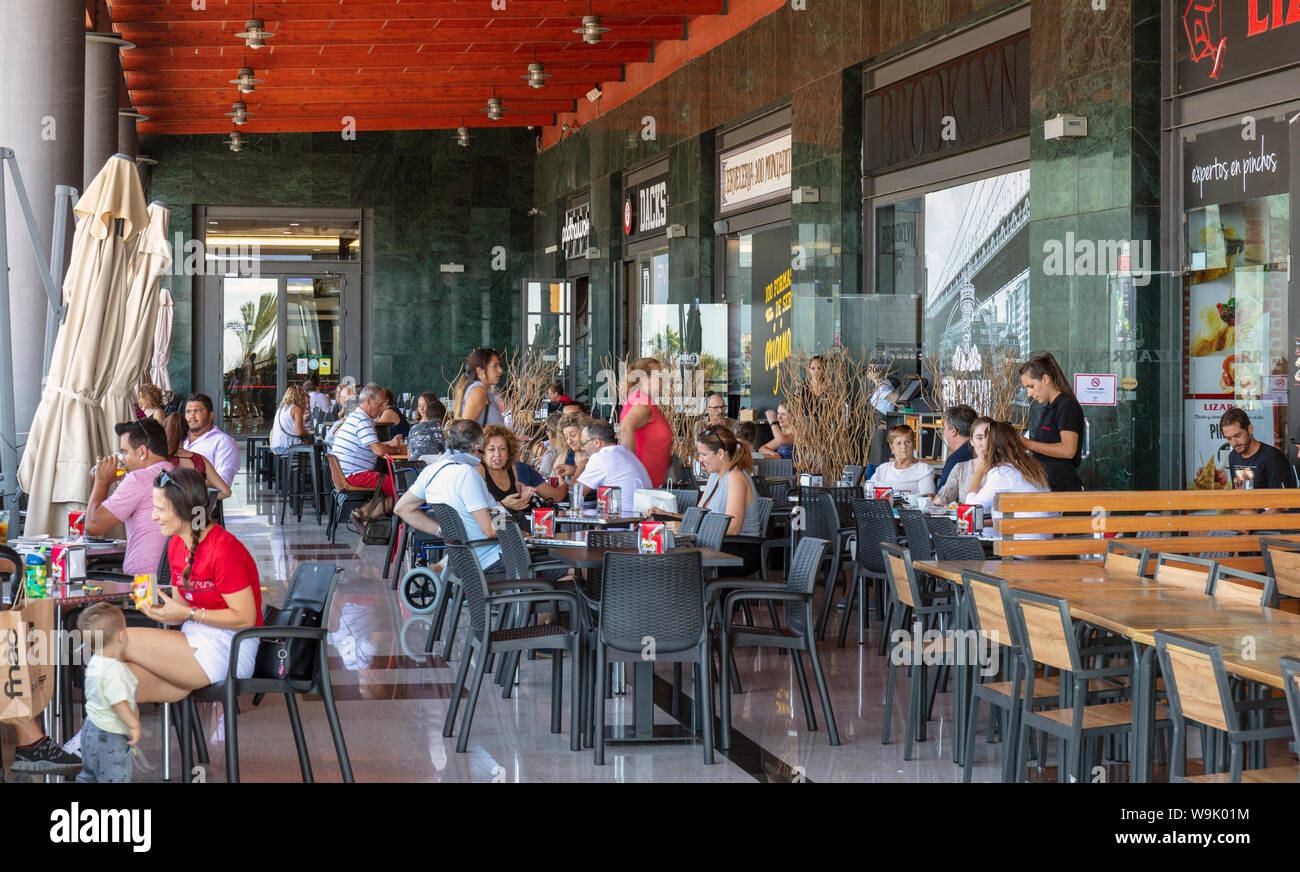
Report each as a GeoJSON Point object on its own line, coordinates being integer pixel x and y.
{"type": "Point", "coordinates": [26, 688]}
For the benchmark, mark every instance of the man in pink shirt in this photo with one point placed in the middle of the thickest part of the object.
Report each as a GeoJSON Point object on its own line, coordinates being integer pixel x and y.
{"type": "Point", "coordinates": [143, 444]}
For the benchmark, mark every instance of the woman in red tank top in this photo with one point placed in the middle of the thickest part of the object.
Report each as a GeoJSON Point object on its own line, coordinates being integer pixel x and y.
{"type": "Point", "coordinates": [643, 428]}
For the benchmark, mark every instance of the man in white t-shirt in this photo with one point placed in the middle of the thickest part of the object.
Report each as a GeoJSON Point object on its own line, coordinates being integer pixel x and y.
{"type": "Point", "coordinates": [455, 481]}
{"type": "Point", "coordinates": [207, 439]}
{"type": "Point", "coordinates": [610, 464]}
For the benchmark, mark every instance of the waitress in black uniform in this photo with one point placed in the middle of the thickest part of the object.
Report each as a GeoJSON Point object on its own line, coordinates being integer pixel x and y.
{"type": "Point", "coordinates": [1058, 440]}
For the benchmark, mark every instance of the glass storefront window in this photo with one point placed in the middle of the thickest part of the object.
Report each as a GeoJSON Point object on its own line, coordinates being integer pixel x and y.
{"type": "Point", "coordinates": [694, 332]}
{"type": "Point", "coordinates": [1235, 294]}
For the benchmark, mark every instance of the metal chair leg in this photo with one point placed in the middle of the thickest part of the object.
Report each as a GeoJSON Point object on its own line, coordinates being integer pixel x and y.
{"type": "Point", "coordinates": [299, 741]}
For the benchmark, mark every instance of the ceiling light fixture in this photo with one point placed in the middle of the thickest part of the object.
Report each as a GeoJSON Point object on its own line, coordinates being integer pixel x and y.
{"type": "Point", "coordinates": [255, 33]}
{"type": "Point", "coordinates": [238, 112]}
{"type": "Point", "coordinates": [494, 108]}
{"type": "Point", "coordinates": [236, 143]}
{"type": "Point", "coordinates": [536, 78]}
{"type": "Point", "coordinates": [591, 29]}
{"type": "Point", "coordinates": [244, 79]}
{"type": "Point", "coordinates": [462, 134]}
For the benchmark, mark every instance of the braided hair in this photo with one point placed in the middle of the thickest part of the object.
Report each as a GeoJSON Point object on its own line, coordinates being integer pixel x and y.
{"type": "Point", "coordinates": [187, 493]}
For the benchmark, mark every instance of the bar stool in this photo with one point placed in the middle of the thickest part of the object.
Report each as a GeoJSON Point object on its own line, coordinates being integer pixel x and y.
{"type": "Point", "coordinates": [292, 475]}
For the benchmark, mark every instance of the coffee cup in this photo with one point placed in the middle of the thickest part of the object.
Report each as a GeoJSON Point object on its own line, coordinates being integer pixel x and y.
{"type": "Point", "coordinates": [922, 502]}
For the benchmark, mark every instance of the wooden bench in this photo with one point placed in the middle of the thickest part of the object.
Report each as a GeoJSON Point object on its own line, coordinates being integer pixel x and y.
{"type": "Point", "coordinates": [1084, 520]}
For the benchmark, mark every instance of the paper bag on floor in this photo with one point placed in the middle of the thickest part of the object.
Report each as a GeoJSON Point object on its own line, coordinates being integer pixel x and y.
{"type": "Point", "coordinates": [26, 688]}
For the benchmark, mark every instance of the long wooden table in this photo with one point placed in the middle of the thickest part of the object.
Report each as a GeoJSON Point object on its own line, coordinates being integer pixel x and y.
{"type": "Point", "coordinates": [1137, 608]}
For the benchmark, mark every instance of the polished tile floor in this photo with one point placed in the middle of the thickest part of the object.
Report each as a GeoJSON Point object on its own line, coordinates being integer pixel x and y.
{"type": "Point", "coordinates": [393, 698]}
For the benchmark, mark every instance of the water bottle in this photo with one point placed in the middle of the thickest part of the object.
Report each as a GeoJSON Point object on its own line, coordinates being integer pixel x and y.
{"type": "Point", "coordinates": [35, 576]}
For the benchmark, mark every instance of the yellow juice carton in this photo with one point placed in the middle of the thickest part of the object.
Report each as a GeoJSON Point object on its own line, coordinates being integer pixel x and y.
{"type": "Point", "coordinates": [142, 590]}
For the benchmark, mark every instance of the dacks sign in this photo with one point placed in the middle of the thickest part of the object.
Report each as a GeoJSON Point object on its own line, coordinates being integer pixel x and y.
{"type": "Point", "coordinates": [977, 99]}
{"type": "Point", "coordinates": [1222, 40]}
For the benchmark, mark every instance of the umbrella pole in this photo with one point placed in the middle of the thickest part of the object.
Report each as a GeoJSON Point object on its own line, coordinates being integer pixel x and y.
{"type": "Point", "coordinates": [64, 197]}
{"type": "Point", "coordinates": [8, 423]}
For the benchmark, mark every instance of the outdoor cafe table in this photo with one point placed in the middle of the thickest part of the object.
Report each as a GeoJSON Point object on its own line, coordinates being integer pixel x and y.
{"type": "Point", "coordinates": [563, 518]}
{"type": "Point", "coordinates": [1100, 598]}
{"type": "Point", "coordinates": [643, 673]}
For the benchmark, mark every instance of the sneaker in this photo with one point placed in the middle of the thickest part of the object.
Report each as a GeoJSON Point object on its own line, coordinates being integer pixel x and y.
{"type": "Point", "coordinates": [45, 758]}
{"type": "Point", "coordinates": [73, 745]}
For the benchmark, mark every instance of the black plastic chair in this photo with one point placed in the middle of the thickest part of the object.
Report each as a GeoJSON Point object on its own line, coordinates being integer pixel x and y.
{"type": "Point", "coordinates": [940, 525]}
{"type": "Point", "coordinates": [399, 535]}
{"type": "Point", "coordinates": [958, 548]}
{"type": "Point", "coordinates": [763, 509]}
{"type": "Point", "coordinates": [293, 468]}
{"type": "Point", "coordinates": [875, 526]}
{"type": "Point", "coordinates": [686, 497]}
{"type": "Point", "coordinates": [713, 529]}
{"type": "Point", "coordinates": [821, 520]}
{"type": "Point", "coordinates": [691, 519]}
{"type": "Point", "coordinates": [660, 596]}
{"type": "Point", "coordinates": [771, 467]}
{"type": "Point", "coordinates": [483, 642]}
{"type": "Point", "coordinates": [312, 588]}
{"type": "Point", "coordinates": [796, 636]}
{"type": "Point", "coordinates": [917, 533]}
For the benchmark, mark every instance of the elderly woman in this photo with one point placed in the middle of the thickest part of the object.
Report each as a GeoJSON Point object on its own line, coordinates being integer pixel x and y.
{"type": "Point", "coordinates": [216, 593]}
{"type": "Point", "coordinates": [904, 472]}
{"type": "Point", "coordinates": [510, 481]}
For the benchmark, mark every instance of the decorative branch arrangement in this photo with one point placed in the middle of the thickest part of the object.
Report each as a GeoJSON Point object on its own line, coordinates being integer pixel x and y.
{"type": "Point", "coordinates": [832, 429]}
{"type": "Point", "coordinates": [992, 390]}
{"type": "Point", "coordinates": [523, 385]}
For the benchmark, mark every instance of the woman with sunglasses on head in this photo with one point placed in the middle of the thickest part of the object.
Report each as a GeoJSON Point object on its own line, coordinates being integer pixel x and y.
{"type": "Point", "coordinates": [217, 592]}
{"type": "Point", "coordinates": [729, 491]}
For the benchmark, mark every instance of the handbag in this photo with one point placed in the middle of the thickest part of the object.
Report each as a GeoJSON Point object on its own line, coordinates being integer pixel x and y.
{"type": "Point", "coordinates": [283, 659]}
{"type": "Point", "coordinates": [27, 687]}
{"type": "Point", "coordinates": [378, 531]}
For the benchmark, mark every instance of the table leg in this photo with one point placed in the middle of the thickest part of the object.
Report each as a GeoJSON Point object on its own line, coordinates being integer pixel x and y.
{"type": "Point", "coordinates": [643, 682]}
{"type": "Point", "coordinates": [1144, 687]}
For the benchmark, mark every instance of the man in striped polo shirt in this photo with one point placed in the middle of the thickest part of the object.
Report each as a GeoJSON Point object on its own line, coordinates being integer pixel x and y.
{"type": "Point", "coordinates": [356, 445]}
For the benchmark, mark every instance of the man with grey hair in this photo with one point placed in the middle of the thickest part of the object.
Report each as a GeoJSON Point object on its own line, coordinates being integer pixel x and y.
{"type": "Point", "coordinates": [455, 481]}
{"type": "Point", "coordinates": [609, 463]}
{"type": "Point", "coordinates": [356, 445]}
{"type": "Point", "coordinates": [716, 409]}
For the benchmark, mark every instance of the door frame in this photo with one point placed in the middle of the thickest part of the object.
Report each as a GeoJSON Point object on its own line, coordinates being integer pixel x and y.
{"type": "Point", "coordinates": [207, 327]}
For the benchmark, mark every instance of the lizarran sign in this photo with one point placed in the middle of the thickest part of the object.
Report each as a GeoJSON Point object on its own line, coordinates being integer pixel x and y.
{"type": "Point", "coordinates": [1219, 41]}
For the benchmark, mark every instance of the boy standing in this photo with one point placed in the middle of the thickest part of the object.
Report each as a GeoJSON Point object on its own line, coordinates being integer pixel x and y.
{"type": "Point", "coordinates": [112, 723]}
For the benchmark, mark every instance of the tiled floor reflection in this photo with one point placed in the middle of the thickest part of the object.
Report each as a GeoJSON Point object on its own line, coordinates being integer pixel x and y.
{"type": "Point", "coordinates": [393, 698]}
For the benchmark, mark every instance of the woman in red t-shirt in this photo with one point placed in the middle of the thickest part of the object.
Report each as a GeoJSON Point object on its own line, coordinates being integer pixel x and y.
{"type": "Point", "coordinates": [643, 429]}
{"type": "Point", "coordinates": [217, 592]}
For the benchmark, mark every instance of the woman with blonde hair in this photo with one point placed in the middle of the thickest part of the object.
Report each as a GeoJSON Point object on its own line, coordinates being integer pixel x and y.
{"type": "Point", "coordinates": [472, 397]}
{"type": "Point", "coordinates": [290, 425]}
{"type": "Point", "coordinates": [571, 459]}
{"type": "Point", "coordinates": [643, 429]}
{"type": "Point", "coordinates": [150, 400]}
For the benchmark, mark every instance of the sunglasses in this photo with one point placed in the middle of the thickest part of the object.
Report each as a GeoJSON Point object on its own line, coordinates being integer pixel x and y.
{"type": "Point", "coordinates": [164, 479]}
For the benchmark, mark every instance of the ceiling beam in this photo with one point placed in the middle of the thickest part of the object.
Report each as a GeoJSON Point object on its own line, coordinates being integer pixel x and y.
{"type": "Point", "coordinates": [506, 76]}
{"type": "Point", "coordinates": [351, 57]}
{"type": "Point", "coordinates": [368, 36]}
{"type": "Point", "coordinates": [458, 10]}
{"type": "Point", "coordinates": [331, 124]}
{"type": "Point", "coordinates": [357, 109]}
{"type": "Point", "coordinates": [372, 94]}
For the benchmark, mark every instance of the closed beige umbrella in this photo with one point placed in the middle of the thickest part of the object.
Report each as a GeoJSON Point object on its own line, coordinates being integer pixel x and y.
{"type": "Point", "coordinates": [151, 256]}
{"type": "Point", "coordinates": [162, 343]}
{"type": "Point", "coordinates": [70, 429]}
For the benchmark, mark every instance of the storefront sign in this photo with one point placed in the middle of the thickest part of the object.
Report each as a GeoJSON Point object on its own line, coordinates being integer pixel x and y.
{"type": "Point", "coordinates": [1207, 450]}
{"type": "Point", "coordinates": [576, 232]}
{"type": "Point", "coordinates": [977, 99]}
{"type": "Point", "coordinates": [645, 208]}
{"type": "Point", "coordinates": [1223, 40]}
{"type": "Point", "coordinates": [772, 318]}
{"type": "Point", "coordinates": [1095, 388]}
{"type": "Point", "coordinates": [755, 173]}
{"type": "Point", "coordinates": [1225, 167]}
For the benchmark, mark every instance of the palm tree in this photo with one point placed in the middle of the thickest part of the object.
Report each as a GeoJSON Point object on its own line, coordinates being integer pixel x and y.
{"type": "Point", "coordinates": [256, 324]}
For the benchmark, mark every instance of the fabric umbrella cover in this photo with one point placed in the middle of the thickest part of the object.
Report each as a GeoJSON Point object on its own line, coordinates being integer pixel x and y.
{"type": "Point", "coordinates": [70, 430]}
{"type": "Point", "coordinates": [162, 343]}
{"type": "Point", "coordinates": [151, 256]}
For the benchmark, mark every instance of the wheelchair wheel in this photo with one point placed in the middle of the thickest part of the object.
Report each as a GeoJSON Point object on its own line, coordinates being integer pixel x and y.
{"type": "Point", "coordinates": [420, 588]}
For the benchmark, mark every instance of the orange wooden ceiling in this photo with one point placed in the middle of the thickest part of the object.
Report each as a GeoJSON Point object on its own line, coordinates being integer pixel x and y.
{"type": "Point", "coordinates": [389, 64]}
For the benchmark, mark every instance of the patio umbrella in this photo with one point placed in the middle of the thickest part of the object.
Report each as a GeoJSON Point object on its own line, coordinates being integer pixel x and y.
{"type": "Point", "coordinates": [151, 256]}
{"type": "Point", "coordinates": [162, 343]}
{"type": "Point", "coordinates": [70, 429]}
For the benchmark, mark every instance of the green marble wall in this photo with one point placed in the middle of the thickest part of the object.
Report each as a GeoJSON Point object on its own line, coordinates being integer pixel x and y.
{"type": "Point", "coordinates": [434, 202]}
{"type": "Point", "coordinates": [1104, 65]}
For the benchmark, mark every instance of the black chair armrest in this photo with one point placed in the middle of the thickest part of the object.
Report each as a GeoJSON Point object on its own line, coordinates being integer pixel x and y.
{"type": "Point", "coordinates": [785, 595]}
{"type": "Point", "coordinates": [320, 634]}
{"type": "Point", "coordinates": [546, 596]}
{"type": "Point", "coordinates": [712, 588]}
